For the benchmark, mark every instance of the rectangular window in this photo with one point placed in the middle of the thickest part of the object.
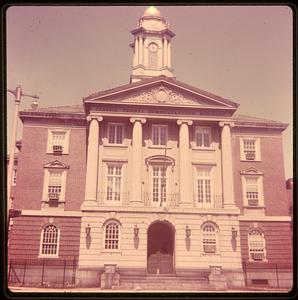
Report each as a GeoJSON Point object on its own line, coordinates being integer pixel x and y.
{"type": "Point", "coordinates": [159, 135]}
{"type": "Point", "coordinates": [204, 185]}
{"type": "Point", "coordinates": [252, 191]}
{"type": "Point", "coordinates": [55, 185]}
{"type": "Point", "coordinates": [114, 179]}
{"type": "Point", "coordinates": [14, 177]}
{"type": "Point", "coordinates": [203, 137]}
{"type": "Point", "coordinates": [58, 141]}
{"type": "Point", "coordinates": [115, 133]}
{"type": "Point", "coordinates": [159, 184]}
{"type": "Point", "coordinates": [250, 148]}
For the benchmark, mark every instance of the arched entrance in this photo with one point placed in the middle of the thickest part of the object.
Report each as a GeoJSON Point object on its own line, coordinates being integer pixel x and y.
{"type": "Point", "coordinates": [160, 248]}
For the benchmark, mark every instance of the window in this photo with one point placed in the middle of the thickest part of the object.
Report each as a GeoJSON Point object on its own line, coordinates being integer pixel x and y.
{"type": "Point", "coordinates": [252, 191]}
{"type": "Point", "coordinates": [14, 177]}
{"type": "Point", "coordinates": [152, 55]}
{"type": "Point", "coordinates": [55, 185]}
{"type": "Point", "coordinates": [50, 241]}
{"type": "Point", "coordinates": [111, 239]}
{"type": "Point", "coordinates": [203, 137]}
{"type": "Point", "coordinates": [250, 149]}
{"type": "Point", "coordinates": [115, 133]}
{"type": "Point", "coordinates": [159, 184]}
{"type": "Point", "coordinates": [204, 186]}
{"type": "Point", "coordinates": [209, 238]}
{"type": "Point", "coordinates": [114, 179]}
{"type": "Point", "coordinates": [256, 245]}
{"type": "Point", "coordinates": [58, 141]}
{"type": "Point", "coordinates": [159, 135]}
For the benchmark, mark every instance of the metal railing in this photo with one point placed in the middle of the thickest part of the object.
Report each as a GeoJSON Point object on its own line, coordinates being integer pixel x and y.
{"type": "Point", "coordinates": [113, 198]}
{"type": "Point", "coordinates": [166, 200]}
{"type": "Point", "coordinates": [214, 201]}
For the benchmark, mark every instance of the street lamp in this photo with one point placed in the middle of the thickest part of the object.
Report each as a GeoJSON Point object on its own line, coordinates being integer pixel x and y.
{"type": "Point", "coordinates": [18, 93]}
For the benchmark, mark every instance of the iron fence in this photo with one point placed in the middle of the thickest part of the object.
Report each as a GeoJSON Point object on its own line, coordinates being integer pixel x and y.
{"type": "Point", "coordinates": [42, 272]}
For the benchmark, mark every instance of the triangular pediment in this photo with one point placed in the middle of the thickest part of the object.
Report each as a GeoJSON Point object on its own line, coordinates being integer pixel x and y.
{"type": "Point", "coordinates": [56, 164]}
{"type": "Point", "coordinates": [162, 92]}
{"type": "Point", "coordinates": [251, 171]}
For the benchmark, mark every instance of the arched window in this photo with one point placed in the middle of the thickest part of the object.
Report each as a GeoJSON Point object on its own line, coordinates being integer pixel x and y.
{"type": "Point", "coordinates": [256, 245]}
{"type": "Point", "coordinates": [50, 241]}
{"type": "Point", "coordinates": [210, 238]}
{"type": "Point", "coordinates": [112, 236]}
{"type": "Point", "coordinates": [152, 55]}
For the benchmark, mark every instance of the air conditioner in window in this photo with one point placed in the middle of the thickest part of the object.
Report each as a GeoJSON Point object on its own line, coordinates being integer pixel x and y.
{"type": "Point", "coordinates": [209, 248]}
{"type": "Point", "coordinates": [54, 196]}
{"type": "Point", "coordinates": [57, 149]}
{"type": "Point", "coordinates": [53, 202]}
{"type": "Point", "coordinates": [253, 202]}
{"type": "Point", "coordinates": [257, 255]}
{"type": "Point", "coordinates": [250, 155]}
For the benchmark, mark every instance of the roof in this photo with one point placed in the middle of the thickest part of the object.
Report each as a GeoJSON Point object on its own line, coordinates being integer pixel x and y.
{"type": "Point", "coordinates": [153, 80]}
{"type": "Point", "coordinates": [78, 109]}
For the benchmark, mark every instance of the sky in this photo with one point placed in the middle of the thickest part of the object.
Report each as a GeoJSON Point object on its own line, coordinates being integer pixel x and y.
{"type": "Point", "coordinates": [243, 53]}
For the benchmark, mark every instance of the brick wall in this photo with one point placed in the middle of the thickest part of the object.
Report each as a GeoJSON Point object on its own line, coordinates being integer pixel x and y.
{"type": "Point", "coordinates": [24, 239]}
{"type": "Point", "coordinates": [32, 158]}
{"type": "Point", "coordinates": [278, 239]}
{"type": "Point", "coordinates": [271, 164]}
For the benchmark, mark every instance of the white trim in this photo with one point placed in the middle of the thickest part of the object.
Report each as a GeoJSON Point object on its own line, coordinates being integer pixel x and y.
{"type": "Point", "coordinates": [50, 139]}
{"type": "Point", "coordinates": [47, 213]}
{"type": "Point", "coordinates": [266, 218]}
{"type": "Point", "coordinates": [107, 222]}
{"type": "Point", "coordinates": [259, 178]}
{"type": "Point", "coordinates": [41, 243]}
{"type": "Point", "coordinates": [216, 231]}
{"type": "Point", "coordinates": [257, 148]}
{"type": "Point", "coordinates": [159, 126]}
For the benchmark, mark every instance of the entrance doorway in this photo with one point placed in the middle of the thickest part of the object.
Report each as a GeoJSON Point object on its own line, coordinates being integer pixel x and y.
{"type": "Point", "coordinates": [160, 248]}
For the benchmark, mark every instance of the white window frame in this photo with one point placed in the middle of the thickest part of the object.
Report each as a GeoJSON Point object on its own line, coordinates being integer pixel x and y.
{"type": "Point", "coordinates": [113, 201]}
{"type": "Point", "coordinates": [216, 238]}
{"type": "Point", "coordinates": [44, 255]}
{"type": "Point", "coordinates": [159, 126]}
{"type": "Point", "coordinates": [259, 179]}
{"type": "Point", "coordinates": [107, 223]}
{"type": "Point", "coordinates": [204, 203]}
{"type": "Point", "coordinates": [202, 130]}
{"type": "Point", "coordinates": [116, 130]}
{"type": "Point", "coordinates": [65, 145]}
{"type": "Point", "coordinates": [250, 248]}
{"type": "Point", "coordinates": [46, 183]}
{"type": "Point", "coordinates": [159, 185]}
{"type": "Point", "coordinates": [257, 148]}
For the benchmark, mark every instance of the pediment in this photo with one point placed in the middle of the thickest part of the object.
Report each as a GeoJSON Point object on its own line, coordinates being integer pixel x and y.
{"type": "Point", "coordinates": [56, 164]}
{"type": "Point", "coordinates": [251, 171]}
{"type": "Point", "coordinates": [161, 92]}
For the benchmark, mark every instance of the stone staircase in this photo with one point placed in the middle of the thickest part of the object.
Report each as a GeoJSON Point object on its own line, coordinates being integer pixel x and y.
{"type": "Point", "coordinates": [164, 283]}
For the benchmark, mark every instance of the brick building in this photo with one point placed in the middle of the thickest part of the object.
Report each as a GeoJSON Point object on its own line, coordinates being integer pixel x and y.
{"type": "Point", "coordinates": [155, 177]}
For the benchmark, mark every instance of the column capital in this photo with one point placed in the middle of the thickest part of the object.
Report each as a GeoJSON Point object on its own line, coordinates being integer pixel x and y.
{"type": "Point", "coordinates": [226, 123]}
{"type": "Point", "coordinates": [133, 120]}
{"type": "Point", "coordinates": [188, 122]}
{"type": "Point", "coordinates": [92, 117]}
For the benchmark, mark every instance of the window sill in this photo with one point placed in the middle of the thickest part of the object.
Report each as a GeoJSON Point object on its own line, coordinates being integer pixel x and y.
{"type": "Point", "coordinates": [254, 207]}
{"type": "Point", "coordinates": [63, 153]}
{"type": "Point", "coordinates": [210, 254]}
{"type": "Point", "coordinates": [203, 149]}
{"type": "Point", "coordinates": [111, 252]}
{"type": "Point", "coordinates": [159, 147]}
{"type": "Point", "coordinates": [47, 256]}
{"type": "Point", "coordinates": [251, 160]}
{"type": "Point", "coordinates": [257, 261]}
{"type": "Point", "coordinates": [115, 146]}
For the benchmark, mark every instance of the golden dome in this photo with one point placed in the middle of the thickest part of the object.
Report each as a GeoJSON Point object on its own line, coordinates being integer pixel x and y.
{"type": "Point", "coordinates": [151, 11]}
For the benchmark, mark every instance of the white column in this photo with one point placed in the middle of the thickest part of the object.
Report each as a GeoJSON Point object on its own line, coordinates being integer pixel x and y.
{"type": "Point", "coordinates": [136, 54]}
{"type": "Point", "coordinates": [185, 178]}
{"type": "Point", "coordinates": [137, 164]}
{"type": "Point", "coordinates": [169, 54]}
{"type": "Point", "coordinates": [92, 160]}
{"type": "Point", "coordinates": [140, 50]}
{"type": "Point", "coordinates": [226, 162]}
{"type": "Point", "coordinates": [165, 52]}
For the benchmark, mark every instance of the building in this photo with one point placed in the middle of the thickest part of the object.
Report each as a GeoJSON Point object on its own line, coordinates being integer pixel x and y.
{"type": "Point", "coordinates": [154, 177]}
